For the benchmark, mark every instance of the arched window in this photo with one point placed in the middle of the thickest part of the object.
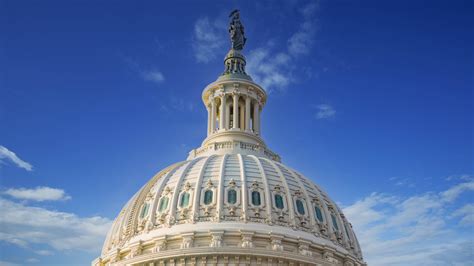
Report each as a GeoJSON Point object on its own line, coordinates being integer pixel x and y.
{"type": "Point", "coordinates": [256, 198]}
{"type": "Point", "coordinates": [184, 200]}
{"type": "Point", "coordinates": [279, 201]}
{"type": "Point", "coordinates": [232, 196]}
{"type": "Point", "coordinates": [319, 214]}
{"type": "Point", "coordinates": [163, 204]}
{"type": "Point", "coordinates": [208, 197]}
{"type": "Point", "coordinates": [144, 211]}
{"type": "Point", "coordinates": [334, 222]}
{"type": "Point", "coordinates": [300, 207]}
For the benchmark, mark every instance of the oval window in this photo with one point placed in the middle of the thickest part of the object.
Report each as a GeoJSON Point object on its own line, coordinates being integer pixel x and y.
{"type": "Point", "coordinates": [256, 198]}
{"type": "Point", "coordinates": [279, 201]}
{"type": "Point", "coordinates": [163, 204]}
{"type": "Point", "coordinates": [208, 197]}
{"type": "Point", "coordinates": [300, 207]}
{"type": "Point", "coordinates": [319, 214]}
{"type": "Point", "coordinates": [184, 200]}
{"type": "Point", "coordinates": [232, 196]}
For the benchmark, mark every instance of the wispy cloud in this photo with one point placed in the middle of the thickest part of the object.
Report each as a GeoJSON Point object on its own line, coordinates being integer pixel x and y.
{"type": "Point", "coordinates": [6, 154]}
{"type": "Point", "coordinates": [402, 182]}
{"type": "Point", "coordinates": [6, 263]}
{"type": "Point", "coordinates": [301, 41]}
{"type": "Point", "coordinates": [273, 69]}
{"type": "Point", "coordinates": [44, 252]}
{"type": "Point", "coordinates": [415, 230]}
{"type": "Point", "coordinates": [153, 75]}
{"type": "Point", "coordinates": [466, 213]}
{"type": "Point", "coordinates": [454, 192]}
{"type": "Point", "coordinates": [24, 225]}
{"type": "Point", "coordinates": [269, 70]}
{"type": "Point", "coordinates": [208, 39]}
{"type": "Point", "coordinates": [177, 104]}
{"type": "Point", "coordinates": [325, 111]}
{"type": "Point", "coordinates": [37, 194]}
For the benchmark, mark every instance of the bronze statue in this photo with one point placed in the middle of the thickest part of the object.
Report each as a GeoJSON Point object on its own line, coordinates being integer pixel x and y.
{"type": "Point", "coordinates": [236, 31]}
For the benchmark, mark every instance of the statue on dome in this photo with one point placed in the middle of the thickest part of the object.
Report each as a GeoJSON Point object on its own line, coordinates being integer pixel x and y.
{"type": "Point", "coordinates": [236, 31]}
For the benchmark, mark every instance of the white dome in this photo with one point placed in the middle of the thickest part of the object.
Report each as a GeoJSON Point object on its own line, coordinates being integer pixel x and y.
{"type": "Point", "coordinates": [207, 202]}
{"type": "Point", "coordinates": [232, 201]}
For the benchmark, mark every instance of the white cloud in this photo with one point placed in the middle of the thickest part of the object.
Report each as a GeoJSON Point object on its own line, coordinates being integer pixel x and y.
{"type": "Point", "coordinates": [6, 263]}
{"type": "Point", "coordinates": [153, 76]}
{"type": "Point", "coordinates": [460, 177]}
{"type": "Point", "coordinates": [7, 154]}
{"type": "Point", "coordinates": [412, 230]}
{"type": "Point", "coordinates": [452, 193]}
{"type": "Point", "coordinates": [32, 260]}
{"type": "Point", "coordinates": [208, 39]}
{"type": "Point", "coordinates": [325, 111]}
{"type": "Point", "coordinates": [273, 69]}
{"type": "Point", "coordinates": [25, 225]}
{"type": "Point", "coordinates": [44, 252]}
{"type": "Point", "coordinates": [301, 41]}
{"type": "Point", "coordinates": [467, 214]}
{"type": "Point", "coordinates": [177, 104]}
{"type": "Point", "coordinates": [267, 69]}
{"type": "Point", "coordinates": [37, 194]}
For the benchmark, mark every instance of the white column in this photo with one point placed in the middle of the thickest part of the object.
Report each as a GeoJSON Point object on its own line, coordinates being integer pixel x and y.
{"type": "Point", "coordinates": [213, 115]}
{"type": "Point", "coordinates": [209, 119]}
{"type": "Point", "coordinates": [242, 116]}
{"type": "Point", "coordinates": [222, 114]}
{"type": "Point", "coordinates": [247, 113]}
{"type": "Point", "coordinates": [259, 120]}
{"type": "Point", "coordinates": [227, 116]}
{"type": "Point", "coordinates": [235, 122]}
{"type": "Point", "coordinates": [255, 117]}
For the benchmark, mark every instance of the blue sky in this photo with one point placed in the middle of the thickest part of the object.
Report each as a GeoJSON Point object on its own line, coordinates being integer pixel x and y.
{"type": "Point", "coordinates": [372, 100]}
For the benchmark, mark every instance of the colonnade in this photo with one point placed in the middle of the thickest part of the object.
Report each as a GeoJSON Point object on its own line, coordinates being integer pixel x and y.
{"type": "Point", "coordinates": [233, 111]}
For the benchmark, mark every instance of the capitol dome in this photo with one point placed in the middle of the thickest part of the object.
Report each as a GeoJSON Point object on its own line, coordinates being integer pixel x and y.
{"type": "Point", "coordinates": [232, 201]}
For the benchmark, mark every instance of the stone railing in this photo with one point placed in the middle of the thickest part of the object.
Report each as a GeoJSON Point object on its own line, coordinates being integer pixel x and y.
{"type": "Point", "coordinates": [234, 147]}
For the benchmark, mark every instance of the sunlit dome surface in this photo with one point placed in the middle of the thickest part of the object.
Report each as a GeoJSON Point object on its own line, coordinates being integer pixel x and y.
{"type": "Point", "coordinates": [232, 201]}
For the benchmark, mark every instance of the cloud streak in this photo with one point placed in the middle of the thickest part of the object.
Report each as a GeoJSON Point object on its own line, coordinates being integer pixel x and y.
{"type": "Point", "coordinates": [37, 194]}
{"type": "Point", "coordinates": [416, 230]}
{"type": "Point", "coordinates": [325, 111]}
{"type": "Point", "coordinates": [274, 69]}
{"type": "Point", "coordinates": [208, 39]}
{"type": "Point", "coordinates": [153, 76]}
{"type": "Point", "coordinates": [6, 154]}
{"type": "Point", "coordinates": [24, 225]}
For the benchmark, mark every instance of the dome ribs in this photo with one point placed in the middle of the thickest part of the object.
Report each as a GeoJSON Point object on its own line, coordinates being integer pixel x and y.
{"type": "Point", "coordinates": [309, 206]}
{"type": "Point", "coordinates": [174, 199]}
{"type": "Point", "coordinates": [162, 182]}
{"type": "Point", "coordinates": [220, 195]}
{"type": "Point", "coordinates": [197, 193]}
{"type": "Point", "coordinates": [243, 180]}
{"type": "Point", "coordinates": [268, 201]}
{"type": "Point", "coordinates": [288, 194]}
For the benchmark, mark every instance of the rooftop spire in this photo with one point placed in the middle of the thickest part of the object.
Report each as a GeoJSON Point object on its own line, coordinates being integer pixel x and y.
{"type": "Point", "coordinates": [234, 61]}
{"type": "Point", "coordinates": [234, 104]}
{"type": "Point", "coordinates": [236, 31]}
